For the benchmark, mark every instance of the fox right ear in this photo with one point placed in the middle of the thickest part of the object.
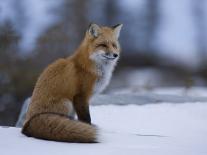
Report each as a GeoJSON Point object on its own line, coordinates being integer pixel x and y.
{"type": "Point", "coordinates": [94, 30]}
{"type": "Point", "coordinates": [117, 29]}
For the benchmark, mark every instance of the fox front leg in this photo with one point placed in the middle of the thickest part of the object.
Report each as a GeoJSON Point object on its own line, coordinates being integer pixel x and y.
{"type": "Point", "coordinates": [82, 109]}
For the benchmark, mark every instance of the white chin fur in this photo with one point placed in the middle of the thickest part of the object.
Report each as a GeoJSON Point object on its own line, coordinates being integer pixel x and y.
{"type": "Point", "coordinates": [103, 62]}
{"type": "Point", "coordinates": [104, 69]}
{"type": "Point", "coordinates": [97, 56]}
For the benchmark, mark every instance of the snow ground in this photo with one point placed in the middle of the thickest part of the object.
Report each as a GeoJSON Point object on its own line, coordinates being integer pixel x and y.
{"type": "Point", "coordinates": [158, 129]}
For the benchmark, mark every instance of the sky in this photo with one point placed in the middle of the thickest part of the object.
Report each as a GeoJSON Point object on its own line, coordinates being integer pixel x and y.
{"type": "Point", "coordinates": [176, 34]}
{"type": "Point", "coordinates": [30, 18]}
{"type": "Point", "coordinates": [175, 38]}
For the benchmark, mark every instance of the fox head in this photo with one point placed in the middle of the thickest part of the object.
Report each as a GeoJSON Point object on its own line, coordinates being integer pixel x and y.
{"type": "Point", "coordinates": [103, 44]}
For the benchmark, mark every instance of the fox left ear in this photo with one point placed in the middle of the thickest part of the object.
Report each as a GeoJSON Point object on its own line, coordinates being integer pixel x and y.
{"type": "Point", "coordinates": [93, 30]}
{"type": "Point", "coordinates": [117, 29]}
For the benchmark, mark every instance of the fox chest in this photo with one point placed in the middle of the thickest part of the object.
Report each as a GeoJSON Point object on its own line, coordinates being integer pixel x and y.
{"type": "Point", "coordinates": [104, 76]}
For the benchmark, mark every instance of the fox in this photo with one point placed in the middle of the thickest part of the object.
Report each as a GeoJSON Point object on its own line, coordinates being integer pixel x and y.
{"type": "Point", "coordinates": [66, 86]}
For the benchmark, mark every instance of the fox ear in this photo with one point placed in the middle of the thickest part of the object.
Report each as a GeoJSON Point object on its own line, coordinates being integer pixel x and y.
{"type": "Point", "coordinates": [117, 29]}
{"type": "Point", "coordinates": [94, 30]}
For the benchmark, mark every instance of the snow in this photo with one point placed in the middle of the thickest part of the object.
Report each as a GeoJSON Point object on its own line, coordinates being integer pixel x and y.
{"type": "Point", "coordinates": [198, 92]}
{"type": "Point", "coordinates": [157, 129]}
{"type": "Point", "coordinates": [193, 92]}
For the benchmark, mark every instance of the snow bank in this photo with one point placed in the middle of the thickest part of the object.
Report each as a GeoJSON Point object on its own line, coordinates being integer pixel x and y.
{"type": "Point", "coordinates": [127, 97]}
{"type": "Point", "coordinates": [157, 129]}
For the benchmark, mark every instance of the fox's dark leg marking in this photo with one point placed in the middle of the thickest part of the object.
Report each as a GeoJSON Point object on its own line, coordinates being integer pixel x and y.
{"type": "Point", "coordinates": [82, 109]}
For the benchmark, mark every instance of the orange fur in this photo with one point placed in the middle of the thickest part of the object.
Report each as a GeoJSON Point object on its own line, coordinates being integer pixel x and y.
{"type": "Point", "coordinates": [71, 79]}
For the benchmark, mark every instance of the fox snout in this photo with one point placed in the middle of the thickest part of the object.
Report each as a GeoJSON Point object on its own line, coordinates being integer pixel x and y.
{"type": "Point", "coordinates": [102, 56]}
{"type": "Point", "coordinates": [110, 55]}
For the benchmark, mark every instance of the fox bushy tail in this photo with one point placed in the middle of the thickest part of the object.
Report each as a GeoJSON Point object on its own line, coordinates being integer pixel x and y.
{"type": "Point", "coordinates": [58, 127]}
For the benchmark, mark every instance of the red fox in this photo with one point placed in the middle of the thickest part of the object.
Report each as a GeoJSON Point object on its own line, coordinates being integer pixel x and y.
{"type": "Point", "coordinates": [68, 84]}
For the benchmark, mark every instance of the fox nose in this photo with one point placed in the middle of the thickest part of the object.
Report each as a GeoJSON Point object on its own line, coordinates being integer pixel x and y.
{"type": "Point", "coordinates": [115, 55]}
{"type": "Point", "coordinates": [110, 54]}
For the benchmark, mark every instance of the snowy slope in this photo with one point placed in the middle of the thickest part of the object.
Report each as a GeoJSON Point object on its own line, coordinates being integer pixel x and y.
{"type": "Point", "coordinates": [158, 129]}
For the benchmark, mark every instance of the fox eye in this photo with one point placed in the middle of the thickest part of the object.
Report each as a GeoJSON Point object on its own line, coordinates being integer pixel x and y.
{"type": "Point", "coordinates": [102, 45]}
{"type": "Point", "coordinates": [114, 45]}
